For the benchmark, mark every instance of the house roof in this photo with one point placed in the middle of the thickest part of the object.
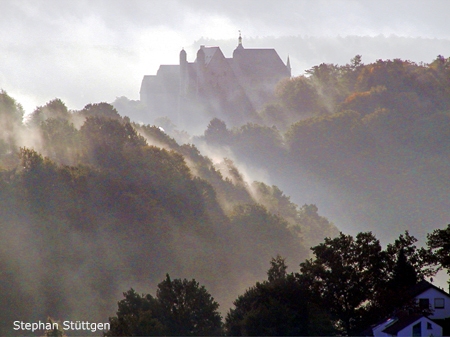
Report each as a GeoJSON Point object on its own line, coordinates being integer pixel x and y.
{"type": "Point", "coordinates": [423, 286]}
{"type": "Point", "coordinates": [403, 322]}
{"type": "Point", "coordinates": [414, 291]}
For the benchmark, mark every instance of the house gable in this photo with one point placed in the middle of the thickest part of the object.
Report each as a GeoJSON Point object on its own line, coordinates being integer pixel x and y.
{"type": "Point", "coordinates": [414, 326]}
{"type": "Point", "coordinates": [438, 300]}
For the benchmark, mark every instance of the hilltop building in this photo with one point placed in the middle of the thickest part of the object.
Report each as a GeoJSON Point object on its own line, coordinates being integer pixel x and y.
{"type": "Point", "coordinates": [228, 88]}
{"type": "Point", "coordinates": [434, 321]}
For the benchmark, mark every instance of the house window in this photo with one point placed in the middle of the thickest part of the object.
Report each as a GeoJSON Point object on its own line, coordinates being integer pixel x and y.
{"type": "Point", "coordinates": [424, 303]}
{"type": "Point", "coordinates": [417, 330]}
{"type": "Point", "coordinates": [439, 303]}
{"type": "Point", "coordinates": [429, 326]}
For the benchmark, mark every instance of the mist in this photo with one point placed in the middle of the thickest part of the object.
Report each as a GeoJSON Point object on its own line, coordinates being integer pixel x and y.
{"type": "Point", "coordinates": [70, 247]}
{"type": "Point", "coordinates": [92, 52]}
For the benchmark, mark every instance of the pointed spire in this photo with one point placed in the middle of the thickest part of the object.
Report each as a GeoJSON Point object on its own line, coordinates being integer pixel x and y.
{"type": "Point", "coordinates": [239, 46]}
{"type": "Point", "coordinates": [288, 65]}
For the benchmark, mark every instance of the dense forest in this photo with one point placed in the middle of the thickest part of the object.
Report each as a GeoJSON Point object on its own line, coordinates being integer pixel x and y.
{"type": "Point", "coordinates": [94, 205]}
{"type": "Point", "coordinates": [368, 143]}
{"type": "Point", "coordinates": [90, 208]}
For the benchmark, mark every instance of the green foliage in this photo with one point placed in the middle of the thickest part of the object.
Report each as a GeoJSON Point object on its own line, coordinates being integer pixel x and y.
{"type": "Point", "coordinates": [305, 221]}
{"type": "Point", "coordinates": [60, 140]}
{"type": "Point", "coordinates": [138, 208]}
{"type": "Point", "coordinates": [135, 110]}
{"type": "Point", "coordinates": [102, 109]}
{"type": "Point", "coordinates": [275, 114]}
{"type": "Point", "coordinates": [319, 140]}
{"type": "Point", "coordinates": [298, 94]}
{"type": "Point", "coordinates": [438, 243]}
{"type": "Point", "coordinates": [359, 283]}
{"type": "Point", "coordinates": [165, 123]}
{"type": "Point", "coordinates": [264, 232]}
{"type": "Point", "coordinates": [277, 270]}
{"type": "Point", "coordinates": [188, 309]}
{"type": "Point", "coordinates": [313, 227]}
{"type": "Point", "coordinates": [254, 140]}
{"type": "Point", "coordinates": [181, 308]}
{"type": "Point", "coordinates": [281, 306]}
{"type": "Point", "coordinates": [217, 132]}
{"type": "Point", "coordinates": [11, 112]}
{"type": "Point", "coordinates": [278, 307]}
{"type": "Point", "coordinates": [136, 316]}
{"type": "Point", "coordinates": [346, 274]}
{"type": "Point", "coordinates": [55, 109]}
{"type": "Point", "coordinates": [105, 141]}
{"type": "Point", "coordinates": [11, 115]}
{"type": "Point", "coordinates": [404, 248]}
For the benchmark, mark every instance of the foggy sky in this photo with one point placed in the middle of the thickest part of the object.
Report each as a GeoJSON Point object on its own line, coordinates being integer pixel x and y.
{"type": "Point", "coordinates": [92, 51]}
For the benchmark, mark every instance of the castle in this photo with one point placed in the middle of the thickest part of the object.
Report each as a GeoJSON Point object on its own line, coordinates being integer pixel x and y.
{"type": "Point", "coordinates": [229, 88]}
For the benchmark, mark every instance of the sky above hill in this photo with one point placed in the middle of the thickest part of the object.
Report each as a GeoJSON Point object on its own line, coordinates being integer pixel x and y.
{"type": "Point", "coordinates": [92, 51]}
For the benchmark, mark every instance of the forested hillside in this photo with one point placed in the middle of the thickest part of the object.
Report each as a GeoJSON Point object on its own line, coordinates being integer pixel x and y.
{"type": "Point", "coordinates": [89, 208]}
{"type": "Point", "coordinates": [371, 140]}
{"type": "Point", "coordinates": [93, 204]}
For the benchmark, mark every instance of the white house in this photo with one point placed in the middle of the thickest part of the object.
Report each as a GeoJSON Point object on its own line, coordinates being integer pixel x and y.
{"type": "Point", "coordinates": [428, 297]}
{"type": "Point", "coordinates": [412, 325]}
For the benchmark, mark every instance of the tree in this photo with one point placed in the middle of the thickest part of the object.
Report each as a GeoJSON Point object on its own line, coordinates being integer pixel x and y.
{"type": "Point", "coordinates": [263, 235]}
{"type": "Point", "coordinates": [102, 109]}
{"type": "Point", "coordinates": [404, 274]}
{"type": "Point", "coordinates": [60, 140]}
{"type": "Point", "coordinates": [11, 114]}
{"type": "Point", "coordinates": [277, 307]}
{"type": "Point", "coordinates": [346, 274]}
{"type": "Point", "coordinates": [277, 269]}
{"type": "Point", "coordinates": [417, 259]}
{"type": "Point", "coordinates": [106, 141]}
{"type": "Point", "coordinates": [52, 109]}
{"type": "Point", "coordinates": [181, 308]}
{"type": "Point", "coordinates": [438, 243]}
{"type": "Point", "coordinates": [187, 308]}
{"type": "Point", "coordinates": [396, 296]}
{"type": "Point", "coordinates": [298, 95]}
{"type": "Point", "coordinates": [136, 316]}
{"type": "Point", "coordinates": [217, 132]}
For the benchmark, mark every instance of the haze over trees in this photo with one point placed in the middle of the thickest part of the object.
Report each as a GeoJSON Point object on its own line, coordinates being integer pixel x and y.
{"type": "Point", "coordinates": [368, 137]}
{"type": "Point", "coordinates": [88, 199]}
{"type": "Point", "coordinates": [94, 204]}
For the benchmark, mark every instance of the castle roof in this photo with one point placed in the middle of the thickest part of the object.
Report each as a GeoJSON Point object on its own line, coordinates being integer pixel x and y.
{"type": "Point", "coordinates": [166, 79]}
{"type": "Point", "coordinates": [241, 83]}
{"type": "Point", "coordinates": [258, 62]}
{"type": "Point", "coordinates": [209, 53]}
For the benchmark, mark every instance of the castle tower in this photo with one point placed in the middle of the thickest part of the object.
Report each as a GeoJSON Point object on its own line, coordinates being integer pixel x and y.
{"type": "Point", "coordinates": [240, 41]}
{"type": "Point", "coordinates": [239, 47]}
{"type": "Point", "coordinates": [200, 68]}
{"type": "Point", "coordinates": [183, 73]}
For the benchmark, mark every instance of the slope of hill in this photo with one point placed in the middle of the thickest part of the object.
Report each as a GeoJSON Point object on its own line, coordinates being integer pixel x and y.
{"type": "Point", "coordinates": [370, 141]}
{"type": "Point", "coordinates": [89, 209]}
